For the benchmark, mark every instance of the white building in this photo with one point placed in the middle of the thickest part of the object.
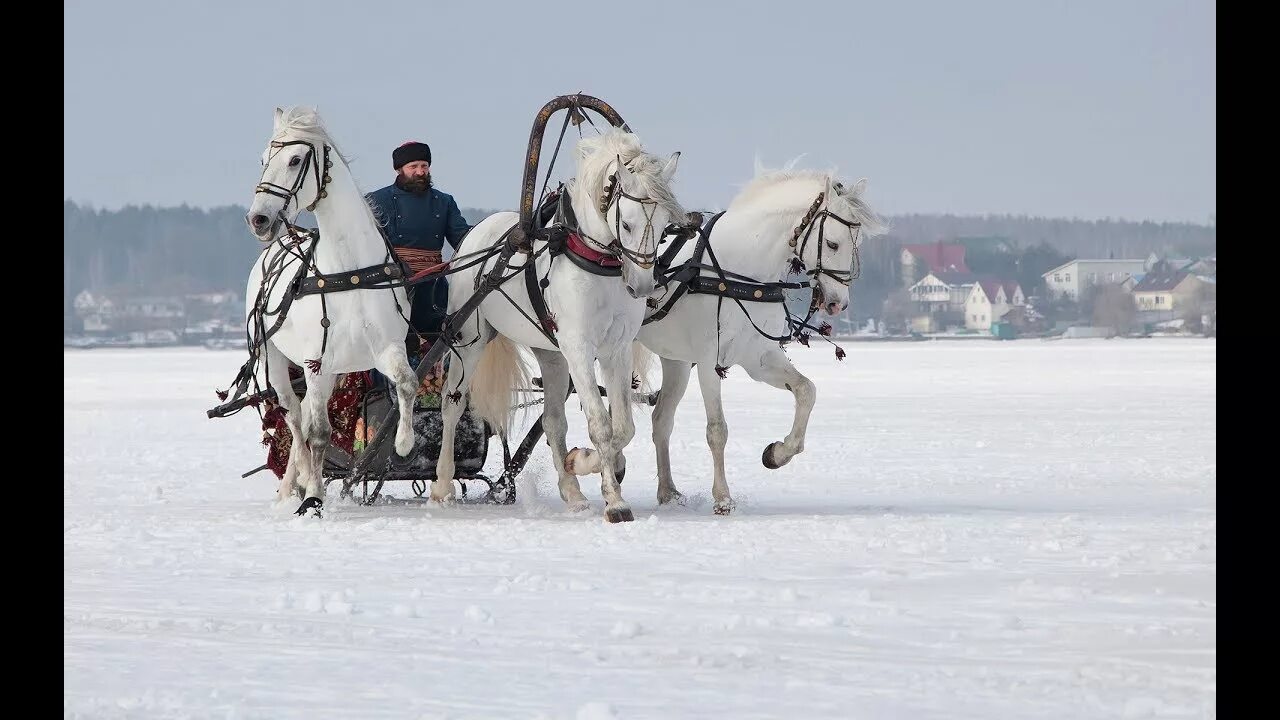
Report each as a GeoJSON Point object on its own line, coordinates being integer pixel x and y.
{"type": "Point", "coordinates": [989, 300]}
{"type": "Point", "coordinates": [942, 291]}
{"type": "Point", "coordinates": [1070, 279]}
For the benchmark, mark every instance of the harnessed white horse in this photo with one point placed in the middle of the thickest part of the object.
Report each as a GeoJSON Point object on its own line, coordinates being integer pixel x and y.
{"type": "Point", "coordinates": [776, 220]}
{"type": "Point", "coordinates": [622, 202]}
{"type": "Point", "coordinates": [351, 312]}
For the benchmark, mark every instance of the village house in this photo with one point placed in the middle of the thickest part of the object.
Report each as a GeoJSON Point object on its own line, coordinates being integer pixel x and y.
{"type": "Point", "coordinates": [1070, 279]}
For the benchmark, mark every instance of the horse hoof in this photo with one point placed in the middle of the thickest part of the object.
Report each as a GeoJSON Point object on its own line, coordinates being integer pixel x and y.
{"type": "Point", "coordinates": [768, 457]}
{"type": "Point", "coordinates": [617, 515]}
{"type": "Point", "coordinates": [675, 498]}
{"type": "Point", "coordinates": [724, 508]}
{"type": "Point", "coordinates": [308, 504]}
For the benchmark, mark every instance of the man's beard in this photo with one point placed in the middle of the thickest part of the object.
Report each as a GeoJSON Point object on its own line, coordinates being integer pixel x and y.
{"type": "Point", "coordinates": [415, 185]}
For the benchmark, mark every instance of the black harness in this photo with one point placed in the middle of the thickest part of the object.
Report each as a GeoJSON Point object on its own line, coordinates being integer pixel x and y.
{"type": "Point", "coordinates": [687, 277]}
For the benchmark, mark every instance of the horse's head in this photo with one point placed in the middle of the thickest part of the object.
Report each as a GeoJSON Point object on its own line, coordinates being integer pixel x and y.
{"type": "Point", "coordinates": [631, 203]}
{"type": "Point", "coordinates": [295, 171]}
{"type": "Point", "coordinates": [827, 238]}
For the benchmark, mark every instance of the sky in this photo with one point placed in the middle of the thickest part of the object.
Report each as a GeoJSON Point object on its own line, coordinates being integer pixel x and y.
{"type": "Point", "coordinates": [1081, 109]}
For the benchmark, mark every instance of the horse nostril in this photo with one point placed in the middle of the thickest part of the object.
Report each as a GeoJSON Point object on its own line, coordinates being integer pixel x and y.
{"type": "Point", "coordinates": [258, 220]}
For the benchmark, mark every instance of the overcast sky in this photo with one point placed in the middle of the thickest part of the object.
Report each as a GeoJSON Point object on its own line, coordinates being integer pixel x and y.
{"type": "Point", "coordinates": [1064, 109]}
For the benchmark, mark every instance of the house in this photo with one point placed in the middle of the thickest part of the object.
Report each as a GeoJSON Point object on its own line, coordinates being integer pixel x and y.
{"type": "Point", "coordinates": [96, 312]}
{"type": "Point", "coordinates": [1070, 279]}
{"type": "Point", "coordinates": [989, 300]}
{"type": "Point", "coordinates": [1164, 288]}
{"type": "Point", "coordinates": [942, 291]}
{"type": "Point", "coordinates": [930, 257]}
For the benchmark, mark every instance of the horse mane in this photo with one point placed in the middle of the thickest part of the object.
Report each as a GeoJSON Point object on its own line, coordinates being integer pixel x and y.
{"type": "Point", "coordinates": [303, 123]}
{"type": "Point", "coordinates": [807, 184]}
{"type": "Point", "coordinates": [595, 154]}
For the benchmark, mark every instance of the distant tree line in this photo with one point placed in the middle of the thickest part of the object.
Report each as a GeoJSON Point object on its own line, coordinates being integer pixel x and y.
{"type": "Point", "coordinates": [178, 250]}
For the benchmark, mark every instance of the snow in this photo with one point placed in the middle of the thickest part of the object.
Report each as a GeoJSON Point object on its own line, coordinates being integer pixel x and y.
{"type": "Point", "coordinates": [975, 530]}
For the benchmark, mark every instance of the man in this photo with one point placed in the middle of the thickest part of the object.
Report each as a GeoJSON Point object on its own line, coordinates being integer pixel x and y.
{"type": "Point", "coordinates": [417, 220]}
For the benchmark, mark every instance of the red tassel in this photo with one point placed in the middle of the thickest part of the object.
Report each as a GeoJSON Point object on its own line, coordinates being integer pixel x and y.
{"type": "Point", "coordinates": [839, 353]}
{"type": "Point", "coordinates": [455, 397]}
{"type": "Point", "coordinates": [635, 382]}
{"type": "Point", "coordinates": [803, 338]}
{"type": "Point", "coordinates": [314, 366]}
{"type": "Point", "coordinates": [722, 371]}
{"type": "Point", "coordinates": [550, 323]}
{"type": "Point", "coordinates": [222, 395]}
{"type": "Point", "coordinates": [797, 266]}
{"type": "Point", "coordinates": [825, 330]}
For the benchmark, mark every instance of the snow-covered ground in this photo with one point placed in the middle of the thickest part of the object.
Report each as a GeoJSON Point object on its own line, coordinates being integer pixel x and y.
{"type": "Point", "coordinates": [975, 530]}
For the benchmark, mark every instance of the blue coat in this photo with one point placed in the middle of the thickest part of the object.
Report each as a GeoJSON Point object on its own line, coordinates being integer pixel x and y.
{"type": "Point", "coordinates": [423, 221]}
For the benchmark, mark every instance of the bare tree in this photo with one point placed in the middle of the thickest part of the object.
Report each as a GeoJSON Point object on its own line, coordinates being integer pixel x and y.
{"type": "Point", "coordinates": [898, 309]}
{"type": "Point", "coordinates": [1113, 307]}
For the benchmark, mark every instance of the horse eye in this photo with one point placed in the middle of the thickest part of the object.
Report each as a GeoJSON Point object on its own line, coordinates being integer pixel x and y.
{"type": "Point", "coordinates": [626, 226]}
{"type": "Point", "coordinates": [295, 161]}
{"type": "Point", "coordinates": [832, 245]}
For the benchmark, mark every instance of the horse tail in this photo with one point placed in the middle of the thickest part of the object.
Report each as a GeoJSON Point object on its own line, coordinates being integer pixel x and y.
{"type": "Point", "coordinates": [641, 362]}
{"type": "Point", "coordinates": [500, 374]}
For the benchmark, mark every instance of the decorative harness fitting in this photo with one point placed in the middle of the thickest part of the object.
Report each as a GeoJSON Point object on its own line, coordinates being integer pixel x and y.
{"type": "Point", "coordinates": [813, 218]}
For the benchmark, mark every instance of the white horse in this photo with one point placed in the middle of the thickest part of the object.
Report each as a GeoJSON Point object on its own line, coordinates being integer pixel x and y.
{"type": "Point", "coordinates": [622, 201]}
{"type": "Point", "coordinates": [775, 219]}
{"type": "Point", "coordinates": [351, 322]}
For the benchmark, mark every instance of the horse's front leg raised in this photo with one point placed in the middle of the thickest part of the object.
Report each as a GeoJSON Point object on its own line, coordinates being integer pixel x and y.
{"type": "Point", "coordinates": [717, 435]}
{"type": "Point", "coordinates": [775, 368]}
{"type": "Point", "coordinates": [316, 433]}
{"type": "Point", "coordinates": [599, 428]}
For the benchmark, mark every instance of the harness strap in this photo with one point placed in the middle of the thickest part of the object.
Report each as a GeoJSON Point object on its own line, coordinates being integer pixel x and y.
{"type": "Point", "coordinates": [384, 275]}
{"type": "Point", "coordinates": [687, 273]}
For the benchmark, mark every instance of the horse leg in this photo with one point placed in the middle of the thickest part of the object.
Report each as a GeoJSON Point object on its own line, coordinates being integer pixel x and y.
{"type": "Point", "coordinates": [278, 377]}
{"type": "Point", "coordinates": [717, 435]}
{"type": "Point", "coordinates": [775, 368]}
{"type": "Point", "coordinates": [618, 374]}
{"type": "Point", "coordinates": [599, 428]}
{"type": "Point", "coordinates": [393, 363]}
{"type": "Point", "coordinates": [452, 405]}
{"type": "Point", "coordinates": [675, 381]}
{"type": "Point", "coordinates": [316, 433]}
{"type": "Point", "coordinates": [555, 387]}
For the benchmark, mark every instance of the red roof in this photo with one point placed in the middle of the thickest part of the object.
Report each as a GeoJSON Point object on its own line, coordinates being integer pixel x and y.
{"type": "Point", "coordinates": [940, 257]}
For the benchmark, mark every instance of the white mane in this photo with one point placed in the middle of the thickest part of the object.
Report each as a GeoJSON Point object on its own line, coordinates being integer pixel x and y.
{"type": "Point", "coordinates": [804, 186]}
{"type": "Point", "coordinates": [595, 154]}
{"type": "Point", "coordinates": [303, 123]}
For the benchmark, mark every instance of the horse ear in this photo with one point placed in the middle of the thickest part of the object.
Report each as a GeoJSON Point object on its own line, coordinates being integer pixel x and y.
{"type": "Point", "coordinates": [858, 187]}
{"type": "Point", "coordinates": [669, 170]}
{"type": "Point", "coordinates": [279, 117]}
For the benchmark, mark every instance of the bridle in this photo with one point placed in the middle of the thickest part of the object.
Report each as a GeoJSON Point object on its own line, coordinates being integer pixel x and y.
{"type": "Point", "coordinates": [612, 194]}
{"type": "Point", "coordinates": [815, 217]}
{"type": "Point", "coordinates": [290, 194]}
